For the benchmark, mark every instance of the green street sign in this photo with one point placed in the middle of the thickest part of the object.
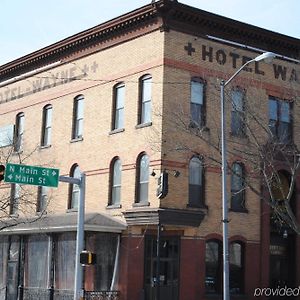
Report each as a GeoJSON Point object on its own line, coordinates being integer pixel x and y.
{"type": "Point", "coordinates": [32, 175]}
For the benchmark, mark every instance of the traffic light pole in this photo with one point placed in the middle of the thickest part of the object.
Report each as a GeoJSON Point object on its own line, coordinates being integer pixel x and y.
{"type": "Point", "coordinates": [78, 284]}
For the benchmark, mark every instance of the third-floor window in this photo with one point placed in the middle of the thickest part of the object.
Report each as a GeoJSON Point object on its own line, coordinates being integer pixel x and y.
{"type": "Point", "coordinates": [118, 107]}
{"type": "Point", "coordinates": [280, 119]}
{"type": "Point", "coordinates": [77, 130]}
{"type": "Point", "coordinates": [46, 126]}
{"type": "Point", "coordinates": [197, 104]}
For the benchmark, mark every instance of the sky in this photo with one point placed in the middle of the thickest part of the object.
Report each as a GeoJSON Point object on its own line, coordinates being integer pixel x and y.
{"type": "Point", "coordinates": [29, 25]}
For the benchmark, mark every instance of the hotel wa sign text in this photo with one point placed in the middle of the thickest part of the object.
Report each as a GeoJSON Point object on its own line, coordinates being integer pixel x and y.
{"type": "Point", "coordinates": [32, 175]}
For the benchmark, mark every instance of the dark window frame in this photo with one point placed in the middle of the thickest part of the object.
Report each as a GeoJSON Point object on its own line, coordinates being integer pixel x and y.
{"type": "Point", "coordinates": [46, 125]}
{"type": "Point", "coordinates": [73, 189]}
{"type": "Point", "coordinates": [77, 127]}
{"type": "Point", "coordinates": [139, 182]}
{"type": "Point", "coordinates": [238, 113]}
{"type": "Point", "coordinates": [198, 120]}
{"type": "Point", "coordinates": [196, 196]}
{"type": "Point", "coordinates": [112, 183]}
{"type": "Point", "coordinates": [19, 132]}
{"type": "Point", "coordinates": [118, 113]}
{"type": "Point", "coordinates": [238, 195]}
{"type": "Point", "coordinates": [276, 120]}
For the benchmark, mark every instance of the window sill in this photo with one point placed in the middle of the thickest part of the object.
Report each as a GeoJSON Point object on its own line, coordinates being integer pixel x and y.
{"type": "Point", "coordinates": [116, 131]}
{"type": "Point", "coordinates": [238, 136]}
{"type": "Point", "coordinates": [72, 210]}
{"type": "Point", "coordinates": [200, 206]}
{"type": "Point", "coordinates": [113, 206]}
{"type": "Point", "coordinates": [141, 204]}
{"type": "Point", "coordinates": [239, 210]}
{"type": "Point", "coordinates": [45, 147]}
{"type": "Point", "coordinates": [143, 125]}
{"type": "Point", "coordinates": [75, 140]}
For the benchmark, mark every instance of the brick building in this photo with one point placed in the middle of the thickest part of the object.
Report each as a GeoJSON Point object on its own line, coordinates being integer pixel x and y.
{"type": "Point", "coordinates": [113, 102]}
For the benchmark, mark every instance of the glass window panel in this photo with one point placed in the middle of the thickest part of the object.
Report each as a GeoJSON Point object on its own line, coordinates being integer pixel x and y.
{"type": "Point", "coordinates": [144, 169]}
{"type": "Point", "coordinates": [284, 132]}
{"type": "Point", "coordinates": [117, 172]}
{"type": "Point", "coordinates": [273, 114]}
{"type": "Point", "coordinates": [119, 120]}
{"type": "Point", "coordinates": [146, 89]}
{"type": "Point", "coordinates": [146, 112]}
{"type": "Point", "coordinates": [120, 97]}
{"type": "Point", "coordinates": [195, 171]}
{"type": "Point", "coordinates": [212, 267]}
{"type": "Point", "coordinates": [116, 195]}
{"type": "Point", "coordinates": [237, 101]}
{"type": "Point", "coordinates": [42, 198]}
{"type": "Point", "coordinates": [80, 108]}
{"type": "Point", "coordinates": [197, 92]}
{"type": "Point", "coordinates": [285, 112]}
{"type": "Point", "coordinates": [143, 192]}
{"type": "Point", "coordinates": [236, 271]}
{"type": "Point", "coordinates": [196, 113]}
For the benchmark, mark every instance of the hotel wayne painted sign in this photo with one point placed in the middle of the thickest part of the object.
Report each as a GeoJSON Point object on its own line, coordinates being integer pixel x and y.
{"type": "Point", "coordinates": [51, 79]}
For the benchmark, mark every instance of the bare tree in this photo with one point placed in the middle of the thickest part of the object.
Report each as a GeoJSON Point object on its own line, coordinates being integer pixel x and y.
{"type": "Point", "coordinates": [18, 203]}
{"type": "Point", "coordinates": [262, 143]}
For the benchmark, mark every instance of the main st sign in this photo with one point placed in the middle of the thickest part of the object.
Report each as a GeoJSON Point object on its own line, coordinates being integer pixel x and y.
{"type": "Point", "coordinates": [23, 174]}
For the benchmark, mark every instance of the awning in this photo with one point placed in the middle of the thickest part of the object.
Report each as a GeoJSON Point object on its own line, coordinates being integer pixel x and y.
{"type": "Point", "coordinates": [64, 223]}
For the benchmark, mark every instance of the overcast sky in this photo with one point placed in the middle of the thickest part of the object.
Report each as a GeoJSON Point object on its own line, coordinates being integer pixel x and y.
{"type": "Point", "coordinates": [28, 25]}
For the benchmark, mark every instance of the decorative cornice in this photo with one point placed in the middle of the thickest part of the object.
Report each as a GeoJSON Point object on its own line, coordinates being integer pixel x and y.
{"type": "Point", "coordinates": [163, 15]}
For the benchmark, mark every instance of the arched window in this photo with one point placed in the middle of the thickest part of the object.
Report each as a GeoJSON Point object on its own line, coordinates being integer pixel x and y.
{"type": "Point", "coordinates": [74, 191]}
{"type": "Point", "coordinates": [46, 126]}
{"type": "Point", "coordinates": [236, 272]}
{"type": "Point", "coordinates": [238, 187]}
{"type": "Point", "coordinates": [196, 182]}
{"type": "Point", "coordinates": [145, 108]}
{"type": "Point", "coordinates": [115, 182]}
{"type": "Point", "coordinates": [213, 266]}
{"type": "Point", "coordinates": [142, 179]}
{"type": "Point", "coordinates": [118, 106]}
{"type": "Point", "coordinates": [77, 130]}
{"type": "Point", "coordinates": [19, 132]}
{"type": "Point", "coordinates": [197, 104]}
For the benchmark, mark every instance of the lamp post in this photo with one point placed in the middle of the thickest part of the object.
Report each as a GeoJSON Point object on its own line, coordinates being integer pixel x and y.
{"type": "Point", "coordinates": [267, 56]}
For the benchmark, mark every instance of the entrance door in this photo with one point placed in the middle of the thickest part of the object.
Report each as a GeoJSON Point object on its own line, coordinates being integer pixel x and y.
{"type": "Point", "coordinates": [169, 268]}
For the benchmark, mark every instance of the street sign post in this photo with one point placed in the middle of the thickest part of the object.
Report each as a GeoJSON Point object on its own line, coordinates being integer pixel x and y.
{"type": "Point", "coordinates": [23, 174]}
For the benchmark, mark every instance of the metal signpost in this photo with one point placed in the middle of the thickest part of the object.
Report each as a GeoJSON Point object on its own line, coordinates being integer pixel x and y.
{"type": "Point", "coordinates": [32, 175]}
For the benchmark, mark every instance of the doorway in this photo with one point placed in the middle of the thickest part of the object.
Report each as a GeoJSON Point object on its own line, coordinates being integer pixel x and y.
{"type": "Point", "coordinates": [169, 268]}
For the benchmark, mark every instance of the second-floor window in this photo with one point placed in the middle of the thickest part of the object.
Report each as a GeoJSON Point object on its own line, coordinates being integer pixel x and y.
{"type": "Point", "coordinates": [77, 130]}
{"type": "Point", "coordinates": [280, 120]}
{"type": "Point", "coordinates": [238, 113]}
{"type": "Point", "coordinates": [118, 107]}
{"type": "Point", "coordinates": [19, 132]}
{"type": "Point", "coordinates": [197, 104]}
{"type": "Point", "coordinates": [145, 99]}
{"type": "Point", "coordinates": [142, 186]}
{"type": "Point", "coordinates": [196, 182]}
{"type": "Point", "coordinates": [74, 190]}
{"type": "Point", "coordinates": [238, 187]}
{"type": "Point", "coordinates": [115, 188]}
{"type": "Point", "coordinates": [46, 126]}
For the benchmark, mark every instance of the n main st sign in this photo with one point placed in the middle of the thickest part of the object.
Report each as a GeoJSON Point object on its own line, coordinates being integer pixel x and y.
{"type": "Point", "coordinates": [32, 175]}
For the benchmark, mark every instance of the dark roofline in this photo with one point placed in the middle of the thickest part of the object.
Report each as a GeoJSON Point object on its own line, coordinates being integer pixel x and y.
{"type": "Point", "coordinates": [163, 15]}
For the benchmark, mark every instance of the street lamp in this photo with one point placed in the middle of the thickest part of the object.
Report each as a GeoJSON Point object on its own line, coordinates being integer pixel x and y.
{"type": "Point", "coordinates": [267, 57]}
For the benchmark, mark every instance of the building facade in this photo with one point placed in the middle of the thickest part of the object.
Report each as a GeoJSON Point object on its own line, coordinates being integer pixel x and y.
{"type": "Point", "coordinates": [131, 103]}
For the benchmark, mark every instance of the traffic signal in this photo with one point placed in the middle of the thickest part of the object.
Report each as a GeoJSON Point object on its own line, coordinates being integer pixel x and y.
{"type": "Point", "coordinates": [162, 188]}
{"type": "Point", "coordinates": [2, 172]}
{"type": "Point", "coordinates": [87, 258]}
